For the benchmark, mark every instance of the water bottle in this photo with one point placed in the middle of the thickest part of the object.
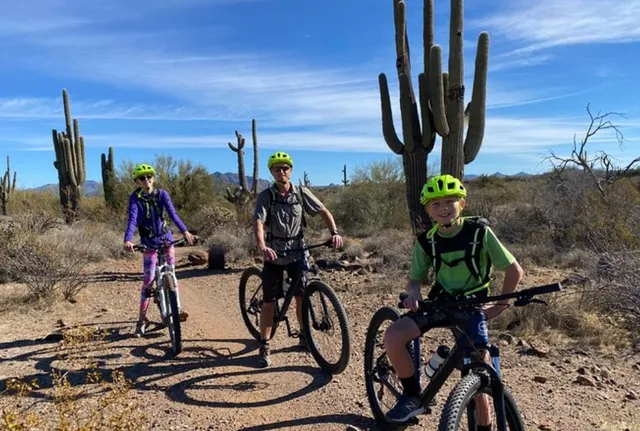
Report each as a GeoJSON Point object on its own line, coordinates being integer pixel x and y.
{"type": "Point", "coordinates": [441, 354]}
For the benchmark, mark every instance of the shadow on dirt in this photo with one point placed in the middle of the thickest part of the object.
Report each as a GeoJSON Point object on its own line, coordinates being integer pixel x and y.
{"type": "Point", "coordinates": [195, 372]}
{"type": "Point", "coordinates": [362, 422]}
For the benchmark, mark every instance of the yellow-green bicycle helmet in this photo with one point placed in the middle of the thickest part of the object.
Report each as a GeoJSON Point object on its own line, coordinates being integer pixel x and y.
{"type": "Point", "coordinates": [442, 186]}
{"type": "Point", "coordinates": [280, 157]}
{"type": "Point", "coordinates": [143, 169]}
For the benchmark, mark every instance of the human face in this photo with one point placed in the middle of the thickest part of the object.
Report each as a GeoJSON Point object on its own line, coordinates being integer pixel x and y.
{"type": "Point", "coordinates": [281, 172]}
{"type": "Point", "coordinates": [445, 210]}
{"type": "Point", "coordinates": [146, 181]}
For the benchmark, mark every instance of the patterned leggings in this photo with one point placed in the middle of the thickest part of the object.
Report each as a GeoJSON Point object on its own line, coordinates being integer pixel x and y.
{"type": "Point", "coordinates": [149, 263]}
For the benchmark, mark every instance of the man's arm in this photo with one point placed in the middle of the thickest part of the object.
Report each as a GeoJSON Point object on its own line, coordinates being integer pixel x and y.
{"type": "Point", "coordinates": [328, 220]}
{"type": "Point", "coordinates": [258, 230]}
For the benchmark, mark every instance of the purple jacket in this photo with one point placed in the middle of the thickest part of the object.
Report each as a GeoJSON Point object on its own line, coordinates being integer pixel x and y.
{"type": "Point", "coordinates": [145, 213]}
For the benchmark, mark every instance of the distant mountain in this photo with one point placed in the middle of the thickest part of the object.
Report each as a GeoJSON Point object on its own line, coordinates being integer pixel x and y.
{"type": "Point", "coordinates": [90, 188]}
{"type": "Point", "coordinates": [233, 178]}
{"type": "Point", "coordinates": [469, 177]}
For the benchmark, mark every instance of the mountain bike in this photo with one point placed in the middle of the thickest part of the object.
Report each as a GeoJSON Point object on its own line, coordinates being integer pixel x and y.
{"type": "Point", "coordinates": [477, 376]}
{"type": "Point", "coordinates": [165, 295]}
{"type": "Point", "coordinates": [316, 317]}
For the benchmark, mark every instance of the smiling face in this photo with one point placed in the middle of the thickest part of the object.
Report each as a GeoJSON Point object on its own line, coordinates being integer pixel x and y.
{"type": "Point", "coordinates": [146, 181]}
{"type": "Point", "coordinates": [281, 172]}
{"type": "Point", "coordinates": [445, 210]}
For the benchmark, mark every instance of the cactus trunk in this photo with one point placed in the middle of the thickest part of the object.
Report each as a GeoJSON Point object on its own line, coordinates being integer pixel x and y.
{"type": "Point", "coordinates": [7, 187]}
{"type": "Point", "coordinates": [242, 195]}
{"type": "Point", "coordinates": [345, 181]}
{"type": "Point", "coordinates": [254, 136]}
{"type": "Point", "coordinates": [109, 178]}
{"type": "Point", "coordinates": [70, 162]}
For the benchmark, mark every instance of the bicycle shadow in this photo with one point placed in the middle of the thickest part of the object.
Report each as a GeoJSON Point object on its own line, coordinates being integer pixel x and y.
{"type": "Point", "coordinates": [362, 422]}
{"type": "Point", "coordinates": [173, 376]}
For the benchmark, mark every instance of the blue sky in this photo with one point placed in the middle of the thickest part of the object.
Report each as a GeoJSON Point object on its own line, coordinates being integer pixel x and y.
{"type": "Point", "coordinates": [179, 76]}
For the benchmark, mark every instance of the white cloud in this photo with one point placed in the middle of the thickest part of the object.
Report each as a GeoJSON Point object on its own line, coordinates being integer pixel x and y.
{"type": "Point", "coordinates": [548, 23]}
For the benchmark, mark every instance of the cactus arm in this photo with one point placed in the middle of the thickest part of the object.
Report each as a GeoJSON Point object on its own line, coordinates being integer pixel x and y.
{"type": "Point", "coordinates": [254, 136]}
{"type": "Point", "coordinates": [81, 173]}
{"type": "Point", "coordinates": [438, 92]}
{"type": "Point", "coordinates": [233, 147]}
{"type": "Point", "coordinates": [68, 162]}
{"type": "Point", "coordinates": [477, 108]}
{"type": "Point", "coordinates": [428, 127]}
{"type": "Point", "coordinates": [67, 111]}
{"type": "Point", "coordinates": [388, 128]}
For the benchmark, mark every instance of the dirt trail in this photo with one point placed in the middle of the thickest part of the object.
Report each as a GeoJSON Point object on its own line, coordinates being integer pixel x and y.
{"type": "Point", "coordinates": [214, 383]}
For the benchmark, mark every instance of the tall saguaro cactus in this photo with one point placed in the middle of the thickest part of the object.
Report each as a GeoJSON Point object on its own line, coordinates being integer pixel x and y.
{"type": "Point", "coordinates": [108, 178]}
{"type": "Point", "coordinates": [447, 101]}
{"type": "Point", "coordinates": [70, 162]}
{"type": "Point", "coordinates": [345, 181]}
{"type": "Point", "coordinates": [242, 194]}
{"type": "Point", "coordinates": [441, 100]}
{"type": "Point", "coordinates": [7, 187]}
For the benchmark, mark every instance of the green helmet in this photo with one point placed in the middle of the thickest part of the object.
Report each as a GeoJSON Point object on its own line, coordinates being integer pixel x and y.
{"type": "Point", "coordinates": [143, 169]}
{"type": "Point", "coordinates": [280, 157]}
{"type": "Point", "coordinates": [442, 186]}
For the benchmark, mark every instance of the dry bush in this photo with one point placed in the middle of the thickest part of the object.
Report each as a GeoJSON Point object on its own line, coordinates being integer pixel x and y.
{"type": "Point", "coordinates": [375, 200]}
{"type": "Point", "coordinates": [93, 242]}
{"type": "Point", "coordinates": [394, 247]}
{"type": "Point", "coordinates": [210, 219]}
{"type": "Point", "coordinates": [237, 242]}
{"type": "Point", "coordinates": [615, 288]}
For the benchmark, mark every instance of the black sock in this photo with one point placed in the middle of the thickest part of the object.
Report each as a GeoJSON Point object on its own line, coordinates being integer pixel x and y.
{"type": "Point", "coordinates": [410, 386]}
{"type": "Point", "coordinates": [483, 427]}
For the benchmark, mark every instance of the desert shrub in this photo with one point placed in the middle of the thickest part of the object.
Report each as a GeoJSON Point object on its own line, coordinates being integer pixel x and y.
{"type": "Point", "coordinates": [375, 200]}
{"type": "Point", "coordinates": [393, 246]}
{"type": "Point", "coordinates": [93, 242]}
{"type": "Point", "coordinates": [210, 219]}
{"type": "Point", "coordinates": [237, 242]}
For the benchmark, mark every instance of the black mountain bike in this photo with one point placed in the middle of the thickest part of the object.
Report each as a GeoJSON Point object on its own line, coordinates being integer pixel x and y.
{"type": "Point", "coordinates": [315, 314]}
{"type": "Point", "coordinates": [477, 377]}
{"type": "Point", "coordinates": [165, 295]}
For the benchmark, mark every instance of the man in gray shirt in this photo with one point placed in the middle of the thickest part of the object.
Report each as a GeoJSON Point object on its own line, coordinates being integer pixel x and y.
{"type": "Point", "coordinates": [278, 226]}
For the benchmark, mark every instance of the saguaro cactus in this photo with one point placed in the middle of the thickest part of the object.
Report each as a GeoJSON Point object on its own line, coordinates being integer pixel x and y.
{"type": "Point", "coordinates": [305, 180]}
{"type": "Point", "coordinates": [419, 128]}
{"type": "Point", "coordinates": [70, 162]}
{"type": "Point", "coordinates": [447, 98]}
{"type": "Point", "coordinates": [108, 178]}
{"type": "Point", "coordinates": [242, 194]}
{"type": "Point", "coordinates": [345, 181]}
{"type": "Point", "coordinates": [7, 187]}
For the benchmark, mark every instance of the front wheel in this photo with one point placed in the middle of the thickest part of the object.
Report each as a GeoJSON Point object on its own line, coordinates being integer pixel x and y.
{"type": "Point", "coordinates": [321, 323]}
{"type": "Point", "coordinates": [461, 403]}
{"type": "Point", "coordinates": [173, 316]}
{"type": "Point", "coordinates": [381, 381]}
{"type": "Point", "coordinates": [250, 296]}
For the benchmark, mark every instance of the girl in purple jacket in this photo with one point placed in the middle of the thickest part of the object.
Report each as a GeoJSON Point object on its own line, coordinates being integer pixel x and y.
{"type": "Point", "coordinates": [146, 208]}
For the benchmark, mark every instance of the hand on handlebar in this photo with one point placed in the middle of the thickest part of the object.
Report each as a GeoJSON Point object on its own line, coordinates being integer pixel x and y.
{"type": "Point", "coordinates": [128, 246]}
{"type": "Point", "coordinates": [411, 300]}
{"type": "Point", "coordinates": [188, 236]}
{"type": "Point", "coordinates": [336, 241]}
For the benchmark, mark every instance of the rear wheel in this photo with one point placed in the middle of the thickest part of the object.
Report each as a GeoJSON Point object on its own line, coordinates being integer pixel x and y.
{"type": "Point", "coordinates": [173, 317]}
{"type": "Point", "coordinates": [323, 316]}
{"type": "Point", "coordinates": [459, 412]}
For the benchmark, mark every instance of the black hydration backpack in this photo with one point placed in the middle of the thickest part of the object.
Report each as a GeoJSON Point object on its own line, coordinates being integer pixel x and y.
{"type": "Point", "coordinates": [470, 239]}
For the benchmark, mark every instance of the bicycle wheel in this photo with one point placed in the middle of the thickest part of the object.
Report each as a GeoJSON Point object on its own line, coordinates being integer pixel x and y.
{"type": "Point", "coordinates": [173, 317]}
{"type": "Point", "coordinates": [381, 382]}
{"type": "Point", "coordinates": [461, 399]}
{"type": "Point", "coordinates": [251, 301]}
{"type": "Point", "coordinates": [316, 317]}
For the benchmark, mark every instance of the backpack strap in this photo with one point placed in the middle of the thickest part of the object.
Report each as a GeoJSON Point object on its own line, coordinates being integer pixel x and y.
{"type": "Point", "coordinates": [474, 231]}
{"type": "Point", "coordinates": [273, 196]}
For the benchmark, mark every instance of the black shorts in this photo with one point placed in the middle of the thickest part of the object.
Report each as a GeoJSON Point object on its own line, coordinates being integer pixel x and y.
{"type": "Point", "coordinates": [272, 280]}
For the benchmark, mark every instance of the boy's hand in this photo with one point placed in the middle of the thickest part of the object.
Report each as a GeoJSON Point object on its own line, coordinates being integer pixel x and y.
{"type": "Point", "coordinates": [411, 301]}
{"type": "Point", "coordinates": [494, 310]}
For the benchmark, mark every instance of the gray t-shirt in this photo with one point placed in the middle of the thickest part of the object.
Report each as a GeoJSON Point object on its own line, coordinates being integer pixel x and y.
{"type": "Point", "coordinates": [283, 230]}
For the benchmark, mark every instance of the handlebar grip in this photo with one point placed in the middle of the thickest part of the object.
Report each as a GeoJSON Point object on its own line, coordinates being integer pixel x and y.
{"type": "Point", "coordinates": [403, 295]}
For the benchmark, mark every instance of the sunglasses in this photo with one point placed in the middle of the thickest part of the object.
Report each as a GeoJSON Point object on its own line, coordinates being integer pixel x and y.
{"type": "Point", "coordinates": [281, 168]}
{"type": "Point", "coordinates": [145, 177]}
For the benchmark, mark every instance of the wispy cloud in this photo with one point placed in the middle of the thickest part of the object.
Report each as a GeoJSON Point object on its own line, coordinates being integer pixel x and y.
{"type": "Point", "coordinates": [549, 23]}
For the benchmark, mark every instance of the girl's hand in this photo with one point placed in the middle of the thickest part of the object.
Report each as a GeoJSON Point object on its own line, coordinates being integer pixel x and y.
{"type": "Point", "coordinates": [189, 237]}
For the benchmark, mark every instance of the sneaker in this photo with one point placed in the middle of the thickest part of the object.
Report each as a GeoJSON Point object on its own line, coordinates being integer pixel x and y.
{"type": "Point", "coordinates": [264, 359]}
{"type": "Point", "coordinates": [141, 328]}
{"type": "Point", "coordinates": [182, 315]}
{"type": "Point", "coordinates": [406, 408]}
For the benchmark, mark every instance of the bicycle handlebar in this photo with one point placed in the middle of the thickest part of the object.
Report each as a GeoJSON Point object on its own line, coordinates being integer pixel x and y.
{"type": "Point", "coordinates": [142, 247]}
{"type": "Point", "coordinates": [284, 253]}
{"type": "Point", "coordinates": [523, 297]}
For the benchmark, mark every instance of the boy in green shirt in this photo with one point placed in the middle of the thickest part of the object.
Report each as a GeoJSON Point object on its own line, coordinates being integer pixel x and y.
{"type": "Point", "coordinates": [462, 253]}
